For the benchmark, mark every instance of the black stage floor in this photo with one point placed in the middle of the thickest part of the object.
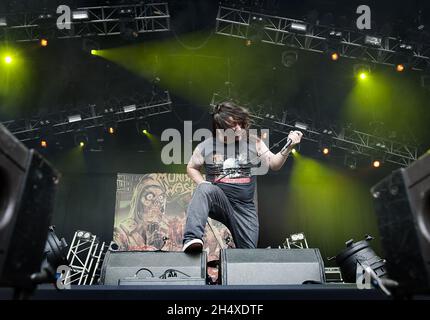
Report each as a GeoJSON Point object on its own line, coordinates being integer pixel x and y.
{"type": "Point", "coordinates": [233, 292]}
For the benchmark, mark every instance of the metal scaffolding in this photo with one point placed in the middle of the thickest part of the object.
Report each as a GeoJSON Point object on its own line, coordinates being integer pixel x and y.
{"type": "Point", "coordinates": [85, 257]}
{"type": "Point", "coordinates": [90, 117]}
{"type": "Point", "coordinates": [353, 141]}
{"type": "Point", "coordinates": [102, 21]}
{"type": "Point", "coordinates": [316, 38]}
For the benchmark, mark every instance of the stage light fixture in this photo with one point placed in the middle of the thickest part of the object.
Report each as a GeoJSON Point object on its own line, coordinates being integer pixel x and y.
{"type": "Point", "coordinates": [142, 127]}
{"type": "Point", "coordinates": [373, 41]}
{"type": "Point", "coordinates": [400, 67]}
{"type": "Point", "coordinates": [129, 108]}
{"type": "Point", "coordinates": [334, 56]}
{"type": "Point", "coordinates": [376, 163]}
{"type": "Point", "coordinates": [74, 118]}
{"type": "Point", "coordinates": [111, 130]}
{"type": "Point", "coordinates": [80, 15]}
{"type": "Point", "coordinates": [350, 161]}
{"type": "Point", "coordinates": [299, 27]}
{"type": "Point", "coordinates": [325, 151]}
{"type": "Point", "coordinates": [301, 126]}
{"type": "Point", "coordinates": [43, 42]}
{"type": "Point", "coordinates": [405, 47]}
{"type": "Point", "coordinates": [362, 71]}
{"type": "Point", "coordinates": [43, 143]}
{"type": "Point", "coordinates": [93, 52]}
{"type": "Point", "coordinates": [289, 58]}
{"type": "Point", "coordinates": [81, 139]}
{"type": "Point", "coordinates": [336, 35]}
{"type": "Point", "coordinates": [297, 236]}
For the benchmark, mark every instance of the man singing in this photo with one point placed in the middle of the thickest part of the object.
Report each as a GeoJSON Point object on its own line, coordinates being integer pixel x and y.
{"type": "Point", "coordinates": [227, 194]}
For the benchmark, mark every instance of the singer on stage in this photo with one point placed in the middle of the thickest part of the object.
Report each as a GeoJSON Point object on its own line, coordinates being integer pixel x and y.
{"type": "Point", "coordinates": [227, 194]}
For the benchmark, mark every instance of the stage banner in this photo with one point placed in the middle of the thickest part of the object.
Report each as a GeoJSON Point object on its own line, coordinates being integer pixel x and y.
{"type": "Point", "coordinates": [150, 214]}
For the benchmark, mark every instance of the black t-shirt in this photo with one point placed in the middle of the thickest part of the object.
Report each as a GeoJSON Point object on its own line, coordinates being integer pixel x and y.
{"type": "Point", "coordinates": [228, 165]}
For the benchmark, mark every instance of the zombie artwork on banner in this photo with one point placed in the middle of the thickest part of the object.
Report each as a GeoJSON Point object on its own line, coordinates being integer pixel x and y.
{"type": "Point", "coordinates": [150, 214]}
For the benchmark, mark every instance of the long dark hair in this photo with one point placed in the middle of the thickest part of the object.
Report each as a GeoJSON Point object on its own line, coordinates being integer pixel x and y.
{"type": "Point", "coordinates": [226, 114]}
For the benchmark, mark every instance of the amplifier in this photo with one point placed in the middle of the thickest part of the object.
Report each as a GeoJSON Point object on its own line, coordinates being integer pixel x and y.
{"type": "Point", "coordinates": [152, 267]}
{"type": "Point", "coordinates": [271, 266]}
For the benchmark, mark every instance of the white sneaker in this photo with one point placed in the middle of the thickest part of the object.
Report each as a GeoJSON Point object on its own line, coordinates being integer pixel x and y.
{"type": "Point", "coordinates": [193, 246]}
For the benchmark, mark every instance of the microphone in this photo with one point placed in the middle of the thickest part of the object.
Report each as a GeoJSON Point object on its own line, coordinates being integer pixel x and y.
{"type": "Point", "coordinates": [289, 142]}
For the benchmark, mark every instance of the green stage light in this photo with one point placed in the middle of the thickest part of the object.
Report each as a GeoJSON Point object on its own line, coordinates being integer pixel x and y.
{"type": "Point", "coordinates": [363, 75]}
{"type": "Point", "coordinates": [93, 52]}
{"type": "Point", "coordinates": [8, 59]}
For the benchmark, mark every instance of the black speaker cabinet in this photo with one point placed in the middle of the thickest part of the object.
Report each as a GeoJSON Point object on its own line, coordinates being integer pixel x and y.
{"type": "Point", "coordinates": [271, 266]}
{"type": "Point", "coordinates": [402, 203]}
{"type": "Point", "coordinates": [27, 189]}
{"type": "Point", "coordinates": [153, 267]}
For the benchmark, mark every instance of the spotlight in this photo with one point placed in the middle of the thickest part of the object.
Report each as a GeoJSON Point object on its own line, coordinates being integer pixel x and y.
{"type": "Point", "coordinates": [142, 127]}
{"type": "Point", "coordinates": [362, 71]}
{"type": "Point", "coordinates": [350, 161]}
{"type": "Point", "coordinates": [80, 15]}
{"type": "Point", "coordinates": [8, 59]}
{"type": "Point", "coordinates": [111, 130]}
{"type": "Point", "coordinates": [334, 56]}
{"type": "Point", "coordinates": [301, 126]}
{"type": "Point", "coordinates": [359, 253]}
{"type": "Point", "coordinates": [400, 67]}
{"type": "Point", "coordinates": [289, 58]}
{"type": "Point", "coordinates": [294, 151]}
{"type": "Point", "coordinates": [336, 35]}
{"type": "Point", "coordinates": [248, 42]}
{"type": "Point", "coordinates": [43, 143]}
{"type": "Point", "coordinates": [373, 41]}
{"type": "Point", "coordinates": [300, 27]}
{"type": "Point", "coordinates": [406, 47]}
{"type": "Point", "coordinates": [129, 108]}
{"type": "Point", "coordinates": [326, 151]}
{"type": "Point", "coordinates": [74, 118]}
{"type": "Point", "coordinates": [81, 140]}
{"type": "Point", "coordinates": [43, 42]}
{"type": "Point", "coordinates": [376, 163]}
{"type": "Point", "coordinates": [93, 52]}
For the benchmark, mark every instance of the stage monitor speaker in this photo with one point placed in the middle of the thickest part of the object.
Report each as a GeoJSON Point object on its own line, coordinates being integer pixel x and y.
{"type": "Point", "coordinates": [402, 203]}
{"type": "Point", "coordinates": [27, 189]}
{"type": "Point", "coordinates": [271, 266]}
{"type": "Point", "coordinates": [153, 267]}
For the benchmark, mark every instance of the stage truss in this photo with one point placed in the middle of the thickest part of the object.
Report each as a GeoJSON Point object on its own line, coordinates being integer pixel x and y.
{"type": "Point", "coordinates": [102, 21]}
{"type": "Point", "coordinates": [58, 123]}
{"type": "Point", "coordinates": [85, 256]}
{"type": "Point", "coordinates": [276, 30]}
{"type": "Point", "coordinates": [353, 141]}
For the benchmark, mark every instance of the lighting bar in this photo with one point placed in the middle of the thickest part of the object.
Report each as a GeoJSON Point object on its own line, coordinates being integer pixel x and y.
{"type": "Point", "coordinates": [75, 118]}
{"type": "Point", "coordinates": [298, 27]}
{"type": "Point", "coordinates": [80, 15]}
{"type": "Point", "coordinates": [373, 41]}
{"type": "Point", "coordinates": [301, 125]}
{"type": "Point", "coordinates": [129, 108]}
